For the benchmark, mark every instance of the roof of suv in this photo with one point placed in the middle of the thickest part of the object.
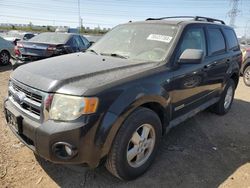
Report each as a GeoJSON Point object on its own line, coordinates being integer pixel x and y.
{"type": "Point", "coordinates": [185, 20]}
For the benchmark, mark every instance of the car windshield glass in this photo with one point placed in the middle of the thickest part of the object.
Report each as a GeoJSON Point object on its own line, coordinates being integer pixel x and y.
{"type": "Point", "coordinates": [50, 38]}
{"type": "Point", "coordinates": [145, 42]}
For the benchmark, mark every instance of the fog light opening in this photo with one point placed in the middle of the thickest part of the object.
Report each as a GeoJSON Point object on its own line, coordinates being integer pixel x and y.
{"type": "Point", "coordinates": [64, 150]}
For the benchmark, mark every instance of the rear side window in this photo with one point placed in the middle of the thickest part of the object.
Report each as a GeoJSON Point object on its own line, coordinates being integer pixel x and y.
{"type": "Point", "coordinates": [85, 41]}
{"type": "Point", "coordinates": [231, 39]}
{"type": "Point", "coordinates": [72, 42]}
{"type": "Point", "coordinates": [217, 42]}
{"type": "Point", "coordinates": [79, 41]}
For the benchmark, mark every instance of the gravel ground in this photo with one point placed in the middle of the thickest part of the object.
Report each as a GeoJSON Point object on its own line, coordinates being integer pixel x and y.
{"type": "Point", "coordinates": [205, 151]}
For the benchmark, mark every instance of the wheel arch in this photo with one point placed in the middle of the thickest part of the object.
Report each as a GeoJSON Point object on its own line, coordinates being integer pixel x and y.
{"type": "Point", "coordinates": [4, 50]}
{"type": "Point", "coordinates": [235, 78]}
{"type": "Point", "coordinates": [160, 111]}
{"type": "Point", "coordinates": [112, 122]}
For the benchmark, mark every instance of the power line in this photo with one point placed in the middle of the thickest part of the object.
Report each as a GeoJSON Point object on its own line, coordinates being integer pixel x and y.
{"type": "Point", "coordinates": [233, 13]}
{"type": "Point", "coordinates": [51, 20]}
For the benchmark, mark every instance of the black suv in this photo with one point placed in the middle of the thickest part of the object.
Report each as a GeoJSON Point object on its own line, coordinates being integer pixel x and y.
{"type": "Point", "coordinates": [115, 101]}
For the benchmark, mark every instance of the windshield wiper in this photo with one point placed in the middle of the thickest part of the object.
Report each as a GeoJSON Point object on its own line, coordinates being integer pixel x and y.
{"type": "Point", "coordinates": [91, 50]}
{"type": "Point", "coordinates": [114, 55]}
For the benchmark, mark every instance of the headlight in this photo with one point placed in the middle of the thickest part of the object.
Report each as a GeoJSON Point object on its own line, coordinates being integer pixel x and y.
{"type": "Point", "coordinates": [66, 108]}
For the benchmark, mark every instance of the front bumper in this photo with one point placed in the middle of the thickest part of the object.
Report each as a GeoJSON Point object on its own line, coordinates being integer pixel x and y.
{"type": "Point", "coordinates": [41, 137]}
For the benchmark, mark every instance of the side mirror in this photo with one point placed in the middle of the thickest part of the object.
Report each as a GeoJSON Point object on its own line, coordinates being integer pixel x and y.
{"type": "Point", "coordinates": [191, 56]}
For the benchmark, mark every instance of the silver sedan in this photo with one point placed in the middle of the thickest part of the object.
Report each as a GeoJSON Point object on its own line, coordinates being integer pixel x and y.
{"type": "Point", "coordinates": [6, 51]}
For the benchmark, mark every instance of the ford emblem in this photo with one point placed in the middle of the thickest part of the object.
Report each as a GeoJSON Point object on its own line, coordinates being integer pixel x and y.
{"type": "Point", "coordinates": [19, 97]}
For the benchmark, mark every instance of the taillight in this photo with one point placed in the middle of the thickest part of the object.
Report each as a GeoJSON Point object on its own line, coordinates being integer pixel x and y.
{"type": "Point", "coordinates": [16, 50]}
{"type": "Point", "coordinates": [19, 45]}
{"type": "Point", "coordinates": [51, 48]}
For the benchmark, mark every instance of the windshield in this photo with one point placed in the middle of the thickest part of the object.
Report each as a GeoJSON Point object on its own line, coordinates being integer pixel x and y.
{"type": "Point", "coordinates": [57, 38]}
{"type": "Point", "coordinates": [145, 42]}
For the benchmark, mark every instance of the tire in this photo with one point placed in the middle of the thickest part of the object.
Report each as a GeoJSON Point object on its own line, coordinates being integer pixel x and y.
{"type": "Point", "coordinates": [246, 76]}
{"type": "Point", "coordinates": [119, 161]}
{"type": "Point", "coordinates": [4, 58]}
{"type": "Point", "coordinates": [222, 107]}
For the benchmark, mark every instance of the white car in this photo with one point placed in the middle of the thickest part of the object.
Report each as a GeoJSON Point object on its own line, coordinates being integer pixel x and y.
{"type": "Point", "coordinates": [14, 36]}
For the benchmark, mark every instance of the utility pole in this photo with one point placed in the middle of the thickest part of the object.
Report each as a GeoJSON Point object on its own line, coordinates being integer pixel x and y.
{"type": "Point", "coordinates": [79, 16]}
{"type": "Point", "coordinates": [233, 13]}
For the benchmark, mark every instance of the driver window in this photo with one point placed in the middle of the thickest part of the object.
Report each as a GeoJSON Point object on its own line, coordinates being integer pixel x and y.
{"type": "Point", "coordinates": [193, 39]}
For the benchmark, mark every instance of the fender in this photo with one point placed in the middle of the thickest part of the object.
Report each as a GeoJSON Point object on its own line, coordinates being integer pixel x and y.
{"type": "Point", "coordinates": [233, 69]}
{"type": "Point", "coordinates": [126, 103]}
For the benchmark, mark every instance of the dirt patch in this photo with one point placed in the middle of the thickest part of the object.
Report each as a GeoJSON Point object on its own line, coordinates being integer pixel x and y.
{"type": "Point", "coordinates": [205, 151]}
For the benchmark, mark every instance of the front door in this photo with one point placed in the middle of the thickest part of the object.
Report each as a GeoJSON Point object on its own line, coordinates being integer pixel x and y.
{"type": "Point", "coordinates": [193, 84]}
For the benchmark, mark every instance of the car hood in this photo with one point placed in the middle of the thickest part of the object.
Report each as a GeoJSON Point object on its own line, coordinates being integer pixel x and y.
{"type": "Point", "coordinates": [76, 73]}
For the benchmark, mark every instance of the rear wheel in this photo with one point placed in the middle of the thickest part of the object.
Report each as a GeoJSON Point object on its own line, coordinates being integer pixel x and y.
{"type": "Point", "coordinates": [246, 76]}
{"type": "Point", "coordinates": [135, 145]}
{"type": "Point", "coordinates": [4, 58]}
{"type": "Point", "coordinates": [226, 100]}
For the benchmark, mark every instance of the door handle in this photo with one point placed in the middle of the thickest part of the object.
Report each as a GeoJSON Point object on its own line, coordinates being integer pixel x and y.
{"type": "Point", "coordinates": [209, 66]}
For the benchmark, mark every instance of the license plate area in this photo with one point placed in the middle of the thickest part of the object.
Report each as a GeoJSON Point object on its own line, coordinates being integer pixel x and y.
{"type": "Point", "coordinates": [14, 122]}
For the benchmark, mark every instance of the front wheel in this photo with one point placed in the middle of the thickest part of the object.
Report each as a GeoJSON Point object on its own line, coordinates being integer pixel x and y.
{"type": "Point", "coordinates": [226, 100]}
{"type": "Point", "coordinates": [135, 145]}
{"type": "Point", "coordinates": [246, 76]}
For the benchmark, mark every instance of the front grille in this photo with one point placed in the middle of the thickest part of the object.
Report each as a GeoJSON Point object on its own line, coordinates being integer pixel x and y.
{"type": "Point", "coordinates": [26, 99]}
{"type": "Point", "coordinates": [30, 95]}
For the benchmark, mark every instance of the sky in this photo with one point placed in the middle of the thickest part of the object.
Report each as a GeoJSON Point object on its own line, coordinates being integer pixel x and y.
{"type": "Point", "coordinates": [109, 13]}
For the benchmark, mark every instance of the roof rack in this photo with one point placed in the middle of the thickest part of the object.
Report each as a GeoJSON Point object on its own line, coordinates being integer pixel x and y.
{"type": "Point", "coordinates": [195, 18]}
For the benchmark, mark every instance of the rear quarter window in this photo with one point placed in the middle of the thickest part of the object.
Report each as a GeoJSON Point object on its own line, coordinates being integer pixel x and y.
{"type": "Point", "coordinates": [231, 39]}
{"type": "Point", "coordinates": [217, 41]}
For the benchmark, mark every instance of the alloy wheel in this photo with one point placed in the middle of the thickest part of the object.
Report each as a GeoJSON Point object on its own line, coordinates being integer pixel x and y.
{"type": "Point", "coordinates": [4, 58]}
{"type": "Point", "coordinates": [228, 97]}
{"type": "Point", "coordinates": [141, 145]}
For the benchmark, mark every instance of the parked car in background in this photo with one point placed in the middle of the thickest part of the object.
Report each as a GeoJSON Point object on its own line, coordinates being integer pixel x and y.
{"type": "Point", "coordinates": [6, 51]}
{"type": "Point", "coordinates": [14, 36]}
{"type": "Point", "coordinates": [245, 68]}
{"type": "Point", "coordinates": [47, 45]}
{"type": "Point", "coordinates": [67, 30]}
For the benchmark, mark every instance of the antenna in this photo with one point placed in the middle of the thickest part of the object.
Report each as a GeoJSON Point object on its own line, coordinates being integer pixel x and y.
{"type": "Point", "coordinates": [233, 13]}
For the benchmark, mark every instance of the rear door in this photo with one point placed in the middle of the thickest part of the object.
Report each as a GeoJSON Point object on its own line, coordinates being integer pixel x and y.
{"type": "Point", "coordinates": [218, 56]}
{"type": "Point", "coordinates": [233, 46]}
